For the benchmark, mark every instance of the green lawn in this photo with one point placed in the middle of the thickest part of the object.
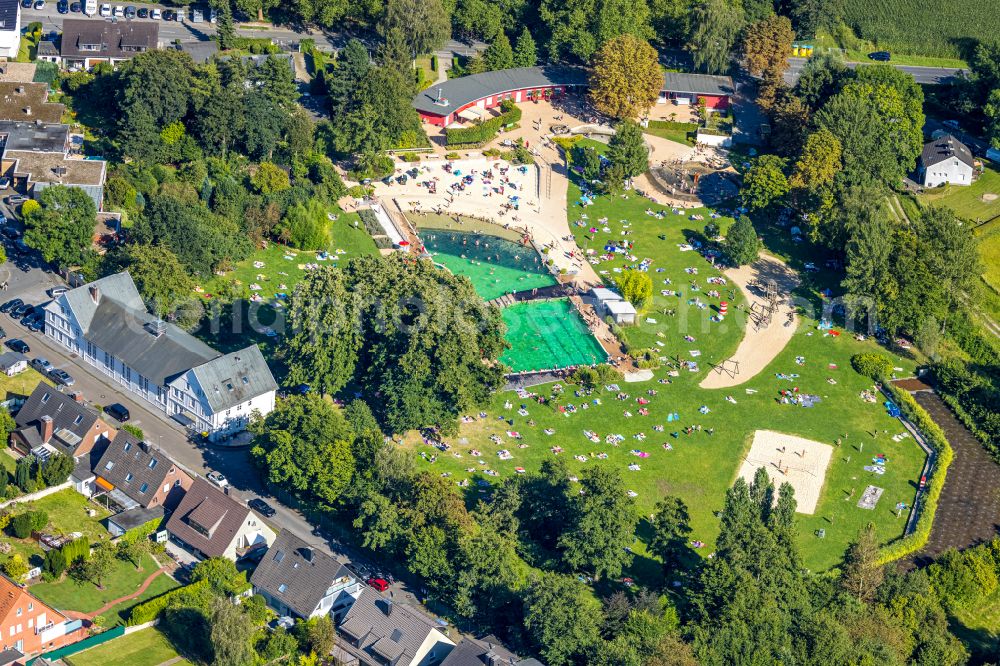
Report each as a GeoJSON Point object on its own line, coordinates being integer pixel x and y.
{"type": "Point", "coordinates": [989, 252]}
{"type": "Point", "coordinates": [699, 467]}
{"type": "Point", "coordinates": [673, 131]}
{"type": "Point", "coordinates": [67, 510]}
{"type": "Point", "coordinates": [148, 647]}
{"type": "Point", "coordinates": [85, 597]}
{"type": "Point", "coordinates": [20, 385]}
{"type": "Point", "coordinates": [968, 202]}
{"type": "Point", "coordinates": [119, 614]}
{"type": "Point", "coordinates": [979, 626]}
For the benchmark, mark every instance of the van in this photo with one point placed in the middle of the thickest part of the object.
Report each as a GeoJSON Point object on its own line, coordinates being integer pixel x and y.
{"type": "Point", "coordinates": [90, 7]}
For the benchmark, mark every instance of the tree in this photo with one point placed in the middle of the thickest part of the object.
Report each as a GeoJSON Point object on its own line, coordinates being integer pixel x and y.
{"type": "Point", "coordinates": [99, 566]}
{"type": "Point", "coordinates": [304, 446]}
{"type": "Point", "coordinates": [269, 178]}
{"type": "Point", "coordinates": [499, 54]}
{"type": "Point", "coordinates": [220, 573]}
{"type": "Point", "coordinates": [808, 16]}
{"type": "Point", "coordinates": [578, 28]}
{"type": "Point", "coordinates": [55, 563]}
{"type": "Point", "coordinates": [377, 323]}
{"type": "Point", "coordinates": [626, 77]}
{"type": "Point", "coordinates": [22, 472]}
{"type": "Point", "coordinates": [425, 23]}
{"type": "Point", "coordinates": [742, 244]}
{"type": "Point", "coordinates": [636, 287]}
{"type": "Point", "coordinates": [525, 51]}
{"type": "Point", "coordinates": [156, 84]}
{"type": "Point", "coordinates": [765, 182]}
{"type": "Point", "coordinates": [315, 635]}
{"type": "Point", "coordinates": [715, 25]}
{"type": "Point", "coordinates": [255, 9]}
{"type": "Point", "coordinates": [767, 45]}
{"type": "Point", "coordinates": [57, 469]}
{"type": "Point", "coordinates": [862, 573]}
{"type": "Point", "coordinates": [231, 634]}
{"type": "Point", "coordinates": [561, 618]}
{"type": "Point", "coordinates": [159, 276]}
{"type": "Point", "coordinates": [822, 76]}
{"type": "Point", "coordinates": [62, 229]}
{"type": "Point", "coordinates": [306, 227]}
{"type": "Point", "coordinates": [224, 25]}
{"type": "Point", "coordinates": [819, 163]}
{"type": "Point", "coordinates": [15, 567]}
{"type": "Point", "coordinates": [602, 524]}
{"type": "Point", "coordinates": [670, 526]}
{"type": "Point", "coordinates": [628, 149]}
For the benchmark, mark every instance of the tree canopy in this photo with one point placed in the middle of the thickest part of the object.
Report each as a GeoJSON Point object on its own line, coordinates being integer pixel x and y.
{"type": "Point", "coordinates": [62, 227]}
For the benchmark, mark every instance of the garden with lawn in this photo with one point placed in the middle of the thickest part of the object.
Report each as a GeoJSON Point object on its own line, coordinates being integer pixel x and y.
{"type": "Point", "coordinates": [148, 647]}
{"type": "Point", "coordinates": [668, 436]}
{"type": "Point", "coordinates": [977, 203]}
{"type": "Point", "coordinates": [71, 594]}
{"type": "Point", "coordinates": [68, 512]}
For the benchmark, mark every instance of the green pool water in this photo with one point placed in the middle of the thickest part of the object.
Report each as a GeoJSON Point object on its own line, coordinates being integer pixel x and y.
{"type": "Point", "coordinates": [495, 266]}
{"type": "Point", "coordinates": [548, 334]}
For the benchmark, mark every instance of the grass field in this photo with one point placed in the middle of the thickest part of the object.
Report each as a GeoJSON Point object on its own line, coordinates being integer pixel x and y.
{"type": "Point", "coordinates": [979, 627]}
{"type": "Point", "coordinates": [978, 202]}
{"type": "Point", "coordinates": [989, 252]}
{"type": "Point", "coordinates": [143, 648]}
{"type": "Point", "coordinates": [119, 614]}
{"type": "Point", "coordinates": [67, 510]}
{"type": "Point", "coordinates": [673, 131]}
{"type": "Point", "coordinates": [20, 386]}
{"type": "Point", "coordinates": [85, 597]}
{"type": "Point", "coordinates": [698, 467]}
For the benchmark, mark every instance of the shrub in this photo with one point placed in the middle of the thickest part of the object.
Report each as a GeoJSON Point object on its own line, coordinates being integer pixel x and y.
{"type": "Point", "coordinates": [360, 191]}
{"type": "Point", "coordinates": [15, 567]}
{"type": "Point", "coordinates": [135, 431]}
{"type": "Point", "coordinates": [486, 130]}
{"type": "Point", "coordinates": [595, 377]}
{"type": "Point", "coordinates": [409, 157]}
{"type": "Point", "coordinates": [55, 563]}
{"type": "Point", "coordinates": [872, 365]}
{"type": "Point", "coordinates": [452, 156]}
{"type": "Point", "coordinates": [966, 578]}
{"type": "Point", "coordinates": [22, 525]}
{"type": "Point", "coordinates": [76, 550]}
{"type": "Point", "coordinates": [189, 595]}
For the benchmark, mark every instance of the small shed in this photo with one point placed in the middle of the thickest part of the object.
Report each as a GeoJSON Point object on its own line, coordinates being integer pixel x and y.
{"type": "Point", "coordinates": [132, 519]}
{"type": "Point", "coordinates": [604, 295]}
{"type": "Point", "coordinates": [13, 363]}
{"type": "Point", "coordinates": [621, 312]}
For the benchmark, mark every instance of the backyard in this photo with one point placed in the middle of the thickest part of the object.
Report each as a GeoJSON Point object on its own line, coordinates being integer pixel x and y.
{"type": "Point", "coordinates": [641, 429]}
{"type": "Point", "coordinates": [70, 594]}
{"type": "Point", "coordinates": [20, 385]}
{"type": "Point", "coordinates": [68, 513]}
{"type": "Point", "coordinates": [978, 202]}
{"type": "Point", "coordinates": [147, 647]}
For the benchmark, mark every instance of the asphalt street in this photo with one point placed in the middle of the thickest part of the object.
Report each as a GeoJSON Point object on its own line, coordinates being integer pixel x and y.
{"type": "Point", "coordinates": [926, 75]}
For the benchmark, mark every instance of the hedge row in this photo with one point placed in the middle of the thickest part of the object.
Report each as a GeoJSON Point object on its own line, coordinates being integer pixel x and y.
{"type": "Point", "coordinates": [485, 130]}
{"type": "Point", "coordinates": [150, 610]}
{"type": "Point", "coordinates": [935, 438]}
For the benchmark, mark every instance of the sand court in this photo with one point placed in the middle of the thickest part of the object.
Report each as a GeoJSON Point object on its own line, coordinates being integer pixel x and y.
{"type": "Point", "coordinates": [795, 460]}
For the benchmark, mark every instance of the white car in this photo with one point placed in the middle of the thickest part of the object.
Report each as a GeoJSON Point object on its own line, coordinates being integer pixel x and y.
{"type": "Point", "coordinates": [90, 7]}
{"type": "Point", "coordinates": [156, 14]}
{"type": "Point", "coordinates": [197, 16]}
{"type": "Point", "coordinates": [119, 11]}
{"type": "Point", "coordinates": [105, 10]}
{"type": "Point", "coordinates": [218, 479]}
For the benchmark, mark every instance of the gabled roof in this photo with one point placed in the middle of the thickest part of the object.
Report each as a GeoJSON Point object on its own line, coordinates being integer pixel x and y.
{"type": "Point", "coordinates": [207, 518]}
{"type": "Point", "coordinates": [385, 628]}
{"type": "Point", "coordinates": [11, 358]}
{"type": "Point", "coordinates": [486, 651]}
{"type": "Point", "coordinates": [698, 84]}
{"type": "Point", "coordinates": [134, 467]}
{"type": "Point", "coordinates": [460, 92]}
{"type": "Point", "coordinates": [11, 595]}
{"type": "Point", "coordinates": [121, 39]}
{"type": "Point", "coordinates": [67, 415]}
{"type": "Point", "coordinates": [235, 378]}
{"type": "Point", "coordinates": [943, 149]}
{"type": "Point", "coordinates": [297, 574]}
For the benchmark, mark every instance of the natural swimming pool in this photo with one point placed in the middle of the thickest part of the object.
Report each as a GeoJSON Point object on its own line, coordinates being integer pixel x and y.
{"type": "Point", "coordinates": [548, 334]}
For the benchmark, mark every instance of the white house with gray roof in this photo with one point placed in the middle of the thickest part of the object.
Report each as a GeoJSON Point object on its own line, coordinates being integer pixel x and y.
{"type": "Point", "coordinates": [107, 324]}
{"type": "Point", "coordinates": [946, 160]}
{"type": "Point", "coordinates": [376, 631]}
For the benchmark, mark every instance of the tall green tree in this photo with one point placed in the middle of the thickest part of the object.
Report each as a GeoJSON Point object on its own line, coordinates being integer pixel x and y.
{"type": "Point", "coordinates": [670, 525]}
{"type": "Point", "coordinates": [715, 26]}
{"type": "Point", "coordinates": [159, 276]}
{"type": "Point", "coordinates": [765, 182]}
{"type": "Point", "coordinates": [628, 149]}
{"type": "Point", "coordinates": [62, 228]}
{"type": "Point", "coordinates": [767, 45]}
{"type": "Point", "coordinates": [862, 573]}
{"type": "Point", "coordinates": [560, 617]}
{"type": "Point", "coordinates": [232, 634]}
{"type": "Point", "coordinates": [742, 245]}
{"type": "Point", "coordinates": [426, 23]}
{"type": "Point", "coordinates": [602, 525]}
{"type": "Point", "coordinates": [499, 54]}
{"type": "Point", "coordinates": [525, 50]}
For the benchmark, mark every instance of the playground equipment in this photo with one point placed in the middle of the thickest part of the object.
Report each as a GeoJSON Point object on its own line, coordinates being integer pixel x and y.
{"type": "Point", "coordinates": [762, 312]}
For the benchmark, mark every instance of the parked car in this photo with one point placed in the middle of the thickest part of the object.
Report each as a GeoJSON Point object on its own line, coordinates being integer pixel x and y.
{"type": "Point", "coordinates": [39, 4]}
{"type": "Point", "coordinates": [62, 6]}
{"type": "Point", "coordinates": [90, 7]}
{"type": "Point", "coordinates": [16, 199]}
{"type": "Point", "coordinates": [56, 292]}
{"type": "Point", "coordinates": [379, 584]}
{"type": "Point", "coordinates": [880, 56]}
{"type": "Point", "coordinates": [105, 10]}
{"type": "Point", "coordinates": [41, 364]}
{"type": "Point", "coordinates": [37, 324]}
{"type": "Point", "coordinates": [156, 14]}
{"type": "Point", "coordinates": [118, 412]}
{"type": "Point", "coordinates": [60, 376]}
{"type": "Point", "coordinates": [76, 7]}
{"type": "Point", "coordinates": [119, 12]}
{"type": "Point", "coordinates": [197, 16]}
{"type": "Point", "coordinates": [11, 304]}
{"type": "Point", "coordinates": [261, 507]}
{"type": "Point", "coordinates": [143, 12]}
{"type": "Point", "coordinates": [218, 478]}
{"type": "Point", "coordinates": [30, 318]}
{"type": "Point", "coordinates": [130, 12]}
{"type": "Point", "coordinates": [168, 15]}
{"type": "Point", "coordinates": [21, 310]}
{"type": "Point", "coordinates": [26, 4]}
{"type": "Point", "coordinates": [18, 345]}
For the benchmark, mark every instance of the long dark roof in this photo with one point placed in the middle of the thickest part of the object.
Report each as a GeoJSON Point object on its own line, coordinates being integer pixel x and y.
{"type": "Point", "coordinates": [486, 651]}
{"type": "Point", "coordinates": [8, 14]}
{"type": "Point", "coordinates": [121, 39]}
{"type": "Point", "coordinates": [698, 84]}
{"type": "Point", "coordinates": [67, 415]}
{"type": "Point", "coordinates": [297, 574]}
{"type": "Point", "coordinates": [134, 467]}
{"type": "Point", "coordinates": [390, 630]}
{"type": "Point", "coordinates": [943, 149]}
{"type": "Point", "coordinates": [465, 90]}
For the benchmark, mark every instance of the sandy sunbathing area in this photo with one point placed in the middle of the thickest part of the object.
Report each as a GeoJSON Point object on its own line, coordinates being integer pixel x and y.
{"type": "Point", "coordinates": [787, 458]}
{"type": "Point", "coordinates": [541, 204]}
{"type": "Point", "coordinates": [759, 346]}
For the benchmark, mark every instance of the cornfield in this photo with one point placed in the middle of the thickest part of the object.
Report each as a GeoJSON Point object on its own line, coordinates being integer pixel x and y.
{"type": "Point", "coordinates": [925, 27]}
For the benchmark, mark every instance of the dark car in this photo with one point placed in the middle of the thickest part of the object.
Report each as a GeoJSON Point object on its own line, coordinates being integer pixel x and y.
{"type": "Point", "coordinates": [26, 4]}
{"type": "Point", "coordinates": [261, 507]}
{"type": "Point", "coordinates": [30, 318]}
{"type": "Point", "coordinates": [130, 12]}
{"type": "Point", "coordinates": [18, 345]}
{"type": "Point", "coordinates": [21, 310]}
{"type": "Point", "coordinates": [76, 7]}
{"type": "Point", "coordinates": [62, 7]}
{"type": "Point", "coordinates": [39, 4]}
{"type": "Point", "coordinates": [168, 15]}
{"type": "Point", "coordinates": [880, 56]}
{"type": "Point", "coordinates": [11, 304]}
{"type": "Point", "coordinates": [143, 12]}
{"type": "Point", "coordinates": [118, 412]}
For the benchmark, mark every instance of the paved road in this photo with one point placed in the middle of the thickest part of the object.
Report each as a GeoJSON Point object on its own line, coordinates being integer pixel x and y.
{"type": "Point", "coordinates": [927, 75]}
